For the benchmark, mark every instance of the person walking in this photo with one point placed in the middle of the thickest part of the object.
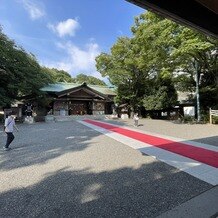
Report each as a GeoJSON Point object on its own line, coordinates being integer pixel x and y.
{"type": "Point", "coordinates": [136, 119]}
{"type": "Point", "coordinates": [9, 128]}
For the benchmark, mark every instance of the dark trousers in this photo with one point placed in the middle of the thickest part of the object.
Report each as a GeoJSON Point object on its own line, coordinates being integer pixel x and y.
{"type": "Point", "coordinates": [10, 138]}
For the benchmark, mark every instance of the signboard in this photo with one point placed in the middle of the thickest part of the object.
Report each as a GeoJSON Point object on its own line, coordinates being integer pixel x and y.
{"type": "Point", "coordinates": [213, 113]}
{"type": "Point", "coordinates": [189, 111]}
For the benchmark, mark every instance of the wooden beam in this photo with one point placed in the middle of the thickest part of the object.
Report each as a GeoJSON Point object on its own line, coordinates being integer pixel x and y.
{"type": "Point", "coordinates": [210, 4]}
{"type": "Point", "coordinates": [190, 13]}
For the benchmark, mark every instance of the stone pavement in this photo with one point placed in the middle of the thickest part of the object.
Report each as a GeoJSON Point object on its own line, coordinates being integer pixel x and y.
{"type": "Point", "coordinates": [197, 159]}
{"type": "Point", "coordinates": [69, 170]}
{"type": "Point", "coordinates": [196, 207]}
{"type": "Point", "coordinates": [204, 133]}
{"type": "Point", "coordinates": [204, 205]}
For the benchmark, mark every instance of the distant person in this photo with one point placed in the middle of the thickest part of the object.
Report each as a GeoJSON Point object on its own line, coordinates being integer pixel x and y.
{"type": "Point", "coordinates": [29, 110]}
{"type": "Point", "coordinates": [9, 128]}
{"type": "Point", "coordinates": [136, 119]}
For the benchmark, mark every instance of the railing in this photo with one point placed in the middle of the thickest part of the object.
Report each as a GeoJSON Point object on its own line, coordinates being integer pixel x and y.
{"type": "Point", "coordinates": [213, 113]}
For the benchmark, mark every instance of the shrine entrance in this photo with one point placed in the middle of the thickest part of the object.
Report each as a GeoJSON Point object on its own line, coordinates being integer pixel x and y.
{"type": "Point", "coordinates": [79, 107]}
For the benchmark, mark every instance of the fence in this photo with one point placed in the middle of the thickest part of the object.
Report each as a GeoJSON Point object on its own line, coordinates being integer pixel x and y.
{"type": "Point", "coordinates": [213, 113]}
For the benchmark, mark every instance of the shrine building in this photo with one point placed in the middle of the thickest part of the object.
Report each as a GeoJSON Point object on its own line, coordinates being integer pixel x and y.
{"type": "Point", "coordinates": [79, 99]}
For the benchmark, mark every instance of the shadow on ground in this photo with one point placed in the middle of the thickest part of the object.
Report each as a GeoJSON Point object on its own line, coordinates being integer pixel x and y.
{"type": "Point", "coordinates": [208, 140]}
{"type": "Point", "coordinates": [41, 142]}
{"type": "Point", "coordinates": [144, 192]}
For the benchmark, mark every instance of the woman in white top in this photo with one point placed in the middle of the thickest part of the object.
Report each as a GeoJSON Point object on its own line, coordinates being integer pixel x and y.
{"type": "Point", "coordinates": [136, 119]}
{"type": "Point", "coordinates": [9, 128]}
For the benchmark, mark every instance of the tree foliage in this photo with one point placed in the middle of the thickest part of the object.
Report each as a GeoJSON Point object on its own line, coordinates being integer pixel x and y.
{"type": "Point", "coordinates": [81, 78]}
{"type": "Point", "coordinates": [21, 75]}
{"type": "Point", "coordinates": [19, 71]}
{"type": "Point", "coordinates": [160, 58]}
{"type": "Point", "coordinates": [62, 76]}
{"type": "Point", "coordinates": [121, 68]}
{"type": "Point", "coordinates": [58, 75]}
{"type": "Point", "coordinates": [198, 54]}
{"type": "Point", "coordinates": [163, 94]}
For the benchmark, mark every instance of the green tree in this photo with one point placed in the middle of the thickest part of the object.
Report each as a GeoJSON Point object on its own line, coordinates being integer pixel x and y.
{"type": "Point", "coordinates": [81, 78]}
{"type": "Point", "coordinates": [58, 75]}
{"type": "Point", "coordinates": [121, 66]}
{"type": "Point", "coordinates": [165, 44]}
{"type": "Point", "coordinates": [163, 95]}
{"type": "Point", "coordinates": [198, 54]}
{"type": "Point", "coordinates": [19, 71]}
{"type": "Point", "coordinates": [135, 64]}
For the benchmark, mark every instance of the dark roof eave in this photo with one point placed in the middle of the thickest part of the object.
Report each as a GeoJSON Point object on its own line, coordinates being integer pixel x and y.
{"type": "Point", "coordinates": [181, 11]}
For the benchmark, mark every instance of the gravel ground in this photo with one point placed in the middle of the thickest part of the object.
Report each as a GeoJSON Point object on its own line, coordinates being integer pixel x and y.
{"type": "Point", "coordinates": [68, 170]}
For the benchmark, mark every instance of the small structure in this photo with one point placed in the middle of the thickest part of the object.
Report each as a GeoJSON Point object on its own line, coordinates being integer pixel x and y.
{"type": "Point", "coordinates": [123, 111]}
{"type": "Point", "coordinates": [186, 103]}
{"type": "Point", "coordinates": [16, 109]}
{"type": "Point", "coordinates": [79, 99]}
{"type": "Point", "coordinates": [213, 113]}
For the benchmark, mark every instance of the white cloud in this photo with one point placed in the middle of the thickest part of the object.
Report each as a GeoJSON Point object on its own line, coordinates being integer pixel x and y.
{"type": "Point", "coordinates": [78, 60]}
{"type": "Point", "coordinates": [97, 75]}
{"type": "Point", "coordinates": [35, 10]}
{"type": "Point", "coordinates": [120, 32]}
{"type": "Point", "coordinates": [67, 27]}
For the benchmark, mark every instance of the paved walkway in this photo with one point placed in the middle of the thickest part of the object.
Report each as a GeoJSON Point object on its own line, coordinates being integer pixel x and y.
{"type": "Point", "coordinates": [203, 133]}
{"type": "Point", "coordinates": [67, 169]}
{"type": "Point", "coordinates": [202, 162]}
{"type": "Point", "coordinates": [199, 160]}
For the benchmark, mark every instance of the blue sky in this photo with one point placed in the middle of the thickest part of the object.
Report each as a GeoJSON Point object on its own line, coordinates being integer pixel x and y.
{"type": "Point", "coordinates": [67, 34]}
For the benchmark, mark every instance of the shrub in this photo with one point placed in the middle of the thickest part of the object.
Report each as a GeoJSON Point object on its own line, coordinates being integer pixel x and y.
{"type": "Point", "coordinates": [214, 120]}
{"type": "Point", "coordinates": [188, 119]}
{"type": "Point", "coordinates": [205, 118]}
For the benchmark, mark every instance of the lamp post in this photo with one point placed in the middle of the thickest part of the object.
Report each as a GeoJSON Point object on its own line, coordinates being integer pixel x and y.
{"type": "Point", "coordinates": [197, 93]}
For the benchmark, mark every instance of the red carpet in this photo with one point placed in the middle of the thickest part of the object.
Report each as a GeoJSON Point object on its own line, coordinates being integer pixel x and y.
{"type": "Point", "coordinates": [199, 154]}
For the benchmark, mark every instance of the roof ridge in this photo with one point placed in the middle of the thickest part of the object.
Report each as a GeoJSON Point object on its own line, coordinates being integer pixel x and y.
{"type": "Point", "coordinates": [98, 85]}
{"type": "Point", "coordinates": [61, 86]}
{"type": "Point", "coordinates": [71, 83]}
{"type": "Point", "coordinates": [67, 83]}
